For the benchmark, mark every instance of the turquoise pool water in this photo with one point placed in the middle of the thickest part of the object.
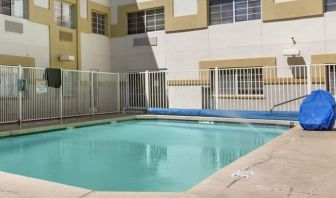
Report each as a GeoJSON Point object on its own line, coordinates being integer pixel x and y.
{"type": "Point", "coordinates": [138, 155]}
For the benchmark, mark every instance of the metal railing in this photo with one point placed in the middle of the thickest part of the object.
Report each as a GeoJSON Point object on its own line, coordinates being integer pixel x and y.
{"type": "Point", "coordinates": [242, 89]}
{"type": "Point", "coordinates": [286, 102]}
{"type": "Point", "coordinates": [92, 93]}
{"type": "Point", "coordinates": [82, 93]}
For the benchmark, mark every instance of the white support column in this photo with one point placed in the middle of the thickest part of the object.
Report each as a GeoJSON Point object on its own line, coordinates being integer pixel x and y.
{"type": "Point", "coordinates": [147, 89]}
{"type": "Point", "coordinates": [61, 96]}
{"type": "Point", "coordinates": [166, 90]}
{"type": "Point", "coordinates": [92, 95]}
{"type": "Point", "coordinates": [216, 88]}
{"type": "Point", "coordinates": [127, 90]}
{"type": "Point", "coordinates": [309, 79]}
{"type": "Point", "coordinates": [20, 96]}
{"type": "Point", "coordinates": [118, 92]}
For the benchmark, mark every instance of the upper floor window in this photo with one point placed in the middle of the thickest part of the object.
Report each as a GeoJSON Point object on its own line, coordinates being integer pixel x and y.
{"type": "Point", "coordinates": [330, 5]}
{"type": "Point", "coordinates": [98, 23]}
{"type": "Point", "coordinates": [230, 11]}
{"type": "Point", "coordinates": [64, 14]}
{"type": "Point", "coordinates": [146, 21]}
{"type": "Point", "coordinates": [16, 8]}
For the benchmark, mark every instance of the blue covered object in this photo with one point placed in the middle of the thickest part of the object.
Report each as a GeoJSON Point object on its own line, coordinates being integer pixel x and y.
{"type": "Point", "coordinates": [291, 116]}
{"type": "Point", "coordinates": [317, 111]}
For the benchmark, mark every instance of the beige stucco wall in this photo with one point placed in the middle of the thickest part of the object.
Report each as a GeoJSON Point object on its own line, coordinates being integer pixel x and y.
{"type": "Point", "coordinates": [272, 11]}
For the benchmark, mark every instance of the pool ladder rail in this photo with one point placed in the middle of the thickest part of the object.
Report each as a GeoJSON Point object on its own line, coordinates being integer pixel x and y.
{"type": "Point", "coordinates": [286, 102]}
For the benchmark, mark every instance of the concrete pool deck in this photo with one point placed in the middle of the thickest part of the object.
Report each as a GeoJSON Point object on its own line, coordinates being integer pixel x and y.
{"type": "Point", "coordinates": [296, 164]}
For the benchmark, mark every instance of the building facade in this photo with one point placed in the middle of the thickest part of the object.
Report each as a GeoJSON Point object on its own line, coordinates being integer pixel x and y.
{"type": "Point", "coordinates": [138, 35]}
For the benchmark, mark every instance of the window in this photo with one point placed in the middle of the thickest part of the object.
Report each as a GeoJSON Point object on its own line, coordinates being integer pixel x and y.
{"type": "Point", "coordinates": [64, 14]}
{"type": "Point", "coordinates": [146, 21]}
{"type": "Point", "coordinates": [98, 23]}
{"type": "Point", "coordinates": [241, 82]}
{"type": "Point", "coordinates": [230, 11]}
{"type": "Point", "coordinates": [330, 5]}
{"type": "Point", "coordinates": [17, 8]}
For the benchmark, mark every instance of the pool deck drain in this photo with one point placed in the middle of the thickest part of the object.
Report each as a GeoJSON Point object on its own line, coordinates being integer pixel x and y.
{"type": "Point", "coordinates": [296, 164]}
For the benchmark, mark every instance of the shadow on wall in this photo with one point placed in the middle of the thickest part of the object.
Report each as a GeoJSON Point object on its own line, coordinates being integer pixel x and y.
{"type": "Point", "coordinates": [142, 47]}
{"type": "Point", "coordinates": [140, 52]}
{"type": "Point", "coordinates": [297, 71]}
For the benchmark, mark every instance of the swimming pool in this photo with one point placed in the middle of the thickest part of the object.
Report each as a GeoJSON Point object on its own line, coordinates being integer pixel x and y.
{"type": "Point", "coordinates": [136, 155]}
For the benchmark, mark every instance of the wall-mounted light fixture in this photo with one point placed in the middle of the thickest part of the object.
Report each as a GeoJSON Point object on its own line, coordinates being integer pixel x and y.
{"type": "Point", "coordinates": [291, 52]}
{"type": "Point", "coordinates": [66, 58]}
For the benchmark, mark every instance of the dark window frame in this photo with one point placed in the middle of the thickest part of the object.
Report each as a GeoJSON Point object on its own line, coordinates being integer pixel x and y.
{"type": "Point", "coordinates": [60, 17]}
{"type": "Point", "coordinates": [8, 7]}
{"type": "Point", "coordinates": [232, 11]}
{"type": "Point", "coordinates": [146, 21]}
{"type": "Point", "coordinates": [98, 23]}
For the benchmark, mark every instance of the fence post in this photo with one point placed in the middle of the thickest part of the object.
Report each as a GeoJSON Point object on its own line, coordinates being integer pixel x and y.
{"type": "Point", "coordinates": [20, 96]}
{"type": "Point", "coordinates": [92, 95]}
{"type": "Point", "coordinates": [61, 96]}
{"type": "Point", "coordinates": [118, 92]}
{"type": "Point", "coordinates": [309, 78]}
{"type": "Point", "coordinates": [127, 90]}
{"type": "Point", "coordinates": [147, 88]}
{"type": "Point", "coordinates": [216, 87]}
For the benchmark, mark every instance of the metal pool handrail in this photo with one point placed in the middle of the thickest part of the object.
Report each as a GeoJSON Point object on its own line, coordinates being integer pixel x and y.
{"type": "Point", "coordinates": [286, 102]}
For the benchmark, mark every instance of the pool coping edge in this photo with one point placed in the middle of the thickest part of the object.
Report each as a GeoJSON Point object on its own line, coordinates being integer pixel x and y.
{"type": "Point", "coordinates": [34, 130]}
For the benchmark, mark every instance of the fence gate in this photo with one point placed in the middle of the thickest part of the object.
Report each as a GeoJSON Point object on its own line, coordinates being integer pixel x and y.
{"type": "Point", "coordinates": [38, 100]}
{"type": "Point", "coordinates": [133, 91]}
{"type": "Point", "coordinates": [158, 90]}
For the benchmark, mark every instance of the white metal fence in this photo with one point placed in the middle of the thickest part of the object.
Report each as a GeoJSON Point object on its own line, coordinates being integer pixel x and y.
{"type": "Point", "coordinates": [81, 93]}
{"type": "Point", "coordinates": [92, 93]}
{"type": "Point", "coordinates": [242, 89]}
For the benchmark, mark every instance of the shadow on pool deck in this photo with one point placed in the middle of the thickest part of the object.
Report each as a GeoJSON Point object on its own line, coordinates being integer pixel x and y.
{"type": "Point", "coordinates": [296, 164]}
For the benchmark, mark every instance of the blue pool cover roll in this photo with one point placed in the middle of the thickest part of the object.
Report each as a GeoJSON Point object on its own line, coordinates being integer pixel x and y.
{"type": "Point", "coordinates": [291, 116]}
{"type": "Point", "coordinates": [317, 111]}
{"type": "Point", "coordinates": [181, 112]}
